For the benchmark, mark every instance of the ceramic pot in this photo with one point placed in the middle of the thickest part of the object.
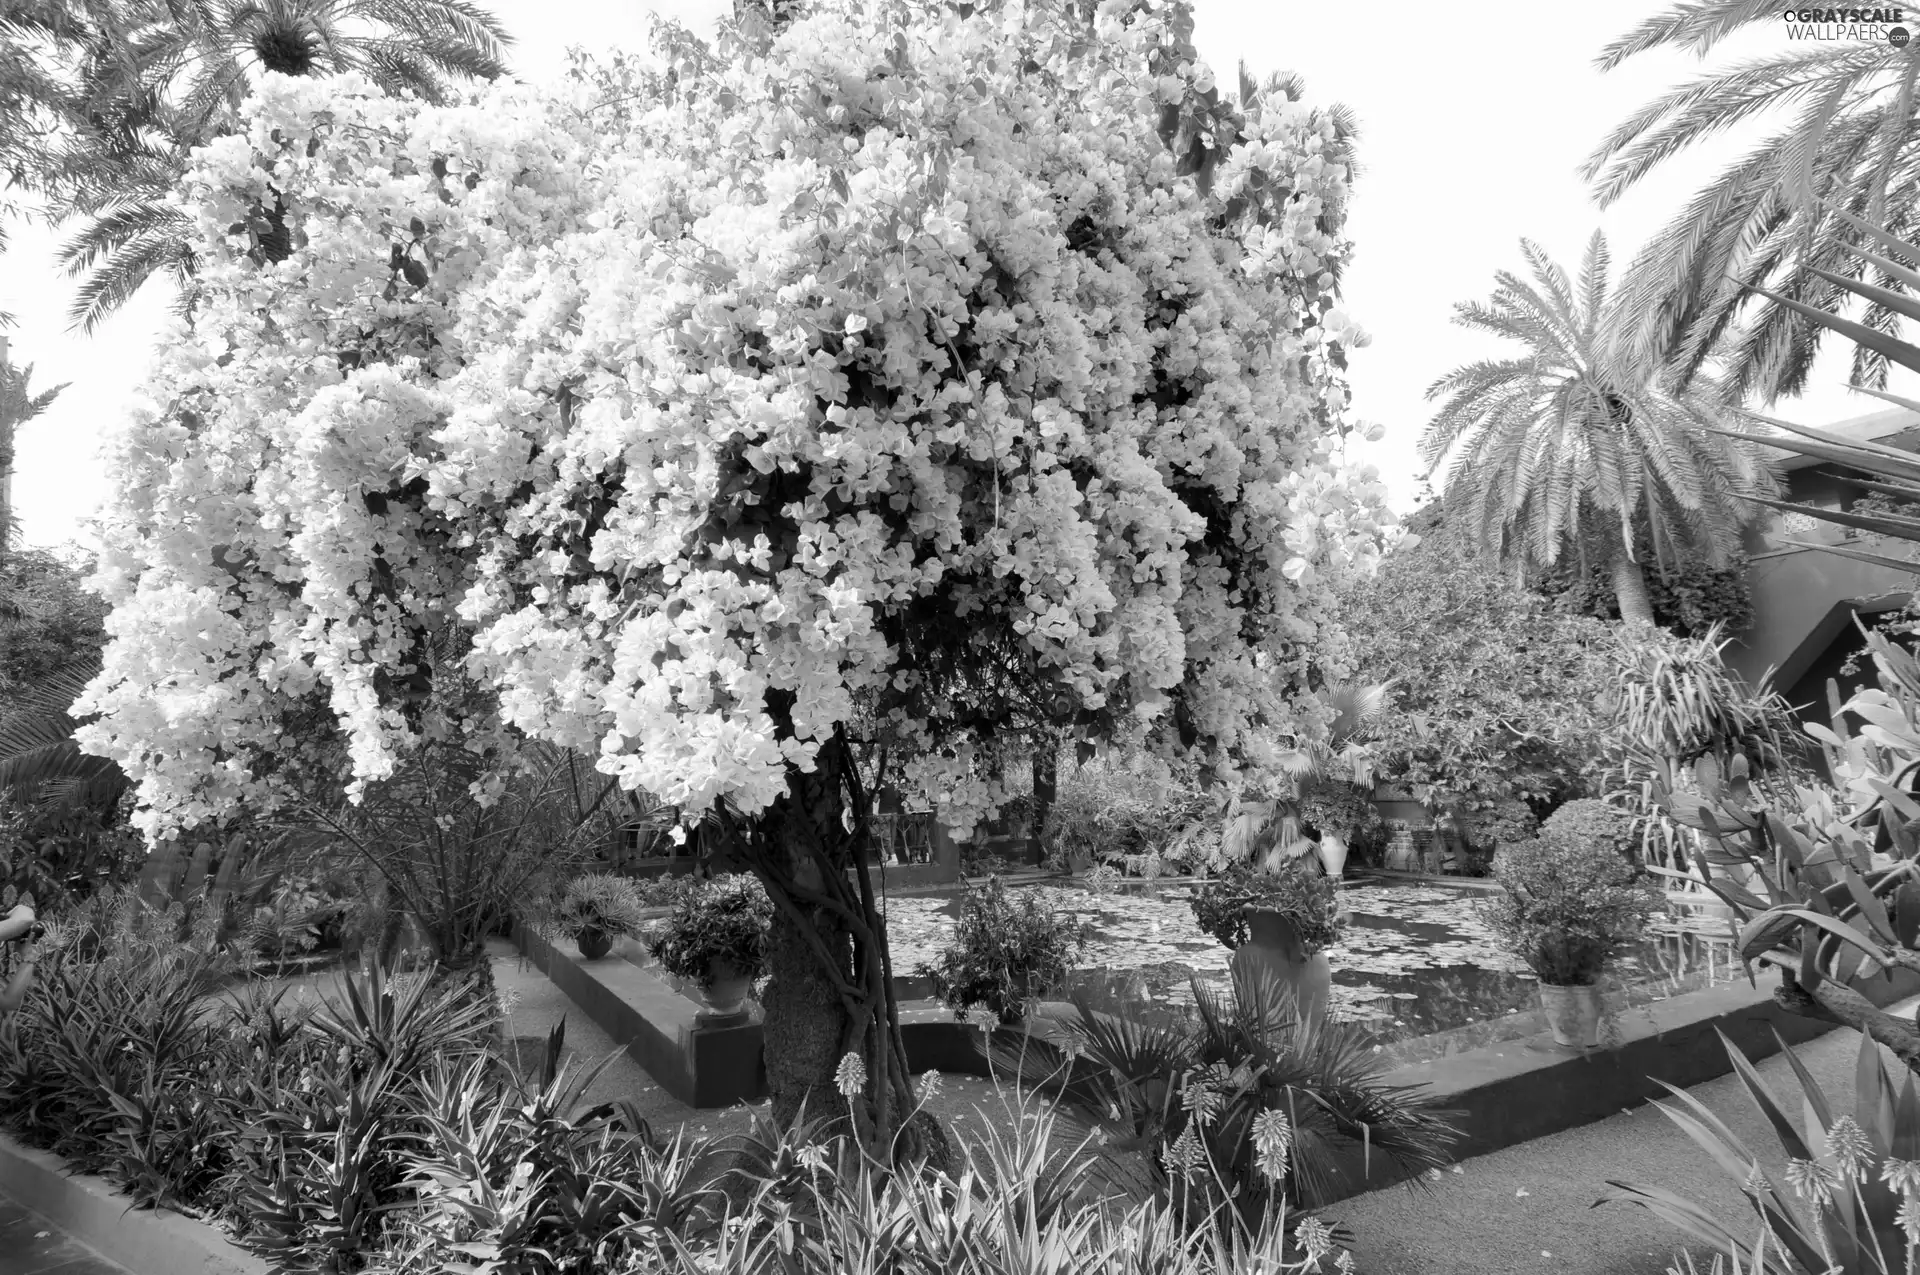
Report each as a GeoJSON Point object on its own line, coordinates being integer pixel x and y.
{"type": "Point", "coordinates": [1572, 1013]}
{"type": "Point", "coordinates": [1274, 946]}
{"type": "Point", "coordinates": [725, 991]}
{"type": "Point", "coordinates": [593, 943]}
{"type": "Point", "coordinates": [1333, 854]}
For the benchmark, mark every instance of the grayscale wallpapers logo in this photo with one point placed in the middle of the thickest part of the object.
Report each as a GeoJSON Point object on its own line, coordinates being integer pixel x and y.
{"type": "Point", "coordinates": [1873, 25]}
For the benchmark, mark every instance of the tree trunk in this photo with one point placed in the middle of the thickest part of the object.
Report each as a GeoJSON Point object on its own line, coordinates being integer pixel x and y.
{"type": "Point", "coordinates": [807, 1022]}
{"type": "Point", "coordinates": [831, 990]}
{"type": "Point", "coordinates": [1046, 785]}
{"type": "Point", "coordinates": [1630, 589]}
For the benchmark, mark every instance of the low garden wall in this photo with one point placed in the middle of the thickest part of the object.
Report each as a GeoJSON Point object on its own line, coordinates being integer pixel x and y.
{"type": "Point", "coordinates": [145, 1241]}
{"type": "Point", "coordinates": [706, 1066]}
{"type": "Point", "coordinates": [1528, 1088]}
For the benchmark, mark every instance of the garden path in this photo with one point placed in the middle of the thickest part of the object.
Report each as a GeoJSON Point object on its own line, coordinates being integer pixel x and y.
{"type": "Point", "coordinates": [30, 1245]}
{"type": "Point", "coordinates": [1505, 1213]}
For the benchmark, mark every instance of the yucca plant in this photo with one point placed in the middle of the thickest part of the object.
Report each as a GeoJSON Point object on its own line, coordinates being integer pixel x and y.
{"type": "Point", "coordinates": [1676, 701]}
{"type": "Point", "coordinates": [1852, 1181]}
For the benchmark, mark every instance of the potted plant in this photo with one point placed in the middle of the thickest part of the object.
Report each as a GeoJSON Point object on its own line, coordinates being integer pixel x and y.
{"type": "Point", "coordinates": [1567, 907]}
{"type": "Point", "coordinates": [1008, 950]}
{"type": "Point", "coordinates": [717, 937]}
{"type": "Point", "coordinates": [1339, 811]}
{"type": "Point", "coordinates": [596, 908]}
{"type": "Point", "coordinates": [1279, 920]}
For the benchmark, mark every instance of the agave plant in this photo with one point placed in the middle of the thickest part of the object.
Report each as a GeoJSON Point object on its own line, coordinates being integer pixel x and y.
{"type": "Point", "coordinates": [1852, 1179]}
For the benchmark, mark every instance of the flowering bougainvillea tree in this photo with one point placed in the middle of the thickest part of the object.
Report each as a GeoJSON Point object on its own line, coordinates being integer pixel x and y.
{"type": "Point", "coordinates": [886, 380]}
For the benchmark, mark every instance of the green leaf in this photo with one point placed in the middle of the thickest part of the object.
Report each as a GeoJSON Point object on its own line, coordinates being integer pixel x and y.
{"type": "Point", "coordinates": [1869, 905]}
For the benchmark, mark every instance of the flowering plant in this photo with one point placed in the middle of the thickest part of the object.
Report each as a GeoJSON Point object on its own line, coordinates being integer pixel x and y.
{"type": "Point", "coordinates": [874, 374]}
{"type": "Point", "coordinates": [1305, 896]}
{"type": "Point", "coordinates": [724, 922]}
{"type": "Point", "coordinates": [1568, 907]}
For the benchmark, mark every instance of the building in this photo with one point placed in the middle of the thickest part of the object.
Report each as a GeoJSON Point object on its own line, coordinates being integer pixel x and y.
{"type": "Point", "coordinates": [1805, 601]}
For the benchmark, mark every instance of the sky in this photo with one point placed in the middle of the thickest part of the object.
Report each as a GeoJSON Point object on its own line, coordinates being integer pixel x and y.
{"type": "Point", "coordinates": [1474, 121]}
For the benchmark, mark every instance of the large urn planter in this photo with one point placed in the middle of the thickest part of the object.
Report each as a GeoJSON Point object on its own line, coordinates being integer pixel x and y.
{"type": "Point", "coordinates": [1333, 854]}
{"type": "Point", "coordinates": [593, 943]}
{"type": "Point", "coordinates": [1572, 1013]}
{"type": "Point", "coordinates": [1275, 947]}
{"type": "Point", "coordinates": [725, 990]}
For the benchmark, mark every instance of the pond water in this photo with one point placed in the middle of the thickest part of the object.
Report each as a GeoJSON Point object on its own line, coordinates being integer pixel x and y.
{"type": "Point", "coordinates": [1417, 960]}
{"type": "Point", "coordinates": [1417, 967]}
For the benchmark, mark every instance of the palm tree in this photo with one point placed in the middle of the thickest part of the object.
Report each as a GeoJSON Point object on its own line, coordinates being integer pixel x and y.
{"type": "Point", "coordinates": [18, 405]}
{"type": "Point", "coordinates": [1850, 144]}
{"type": "Point", "coordinates": [1572, 444]}
{"type": "Point", "coordinates": [124, 89]}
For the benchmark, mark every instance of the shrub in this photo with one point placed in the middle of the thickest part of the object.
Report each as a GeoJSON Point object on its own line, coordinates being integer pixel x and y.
{"type": "Point", "coordinates": [1498, 823]}
{"type": "Point", "coordinates": [1308, 898]}
{"type": "Point", "coordinates": [1007, 951]}
{"type": "Point", "coordinates": [1333, 805]}
{"type": "Point", "coordinates": [599, 901]}
{"type": "Point", "coordinates": [1568, 907]}
{"type": "Point", "coordinates": [724, 920]}
{"type": "Point", "coordinates": [1107, 813]}
{"type": "Point", "coordinates": [1592, 820]}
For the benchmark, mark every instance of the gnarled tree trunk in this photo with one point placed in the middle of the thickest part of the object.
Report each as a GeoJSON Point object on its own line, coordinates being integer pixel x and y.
{"type": "Point", "coordinates": [831, 990]}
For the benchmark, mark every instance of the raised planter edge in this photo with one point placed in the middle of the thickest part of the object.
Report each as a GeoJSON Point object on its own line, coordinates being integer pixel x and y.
{"type": "Point", "coordinates": [93, 1212]}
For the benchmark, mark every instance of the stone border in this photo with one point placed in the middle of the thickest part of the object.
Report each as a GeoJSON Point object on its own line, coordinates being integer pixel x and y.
{"type": "Point", "coordinates": [1528, 1088]}
{"type": "Point", "coordinates": [715, 1067]}
{"type": "Point", "coordinates": [88, 1208]}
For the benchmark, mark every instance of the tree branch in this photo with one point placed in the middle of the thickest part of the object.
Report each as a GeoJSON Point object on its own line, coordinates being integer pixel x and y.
{"type": "Point", "coordinates": [1836, 1003]}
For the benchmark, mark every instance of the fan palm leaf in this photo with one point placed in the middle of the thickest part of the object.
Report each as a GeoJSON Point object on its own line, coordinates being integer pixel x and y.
{"type": "Point", "coordinates": [1575, 440]}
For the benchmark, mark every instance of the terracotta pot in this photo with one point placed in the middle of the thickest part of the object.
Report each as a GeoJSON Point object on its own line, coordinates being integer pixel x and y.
{"type": "Point", "coordinates": [725, 991]}
{"type": "Point", "coordinates": [1572, 1013]}
{"type": "Point", "coordinates": [1274, 945]}
{"type": "Point", "coordinates": [593, 943]}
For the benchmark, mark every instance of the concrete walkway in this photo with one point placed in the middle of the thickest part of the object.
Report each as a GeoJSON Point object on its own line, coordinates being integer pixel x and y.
{"type": "Point", "coordinates": [29, 1245]}
{"type": "Point", "coordinates": [1528, 1208]}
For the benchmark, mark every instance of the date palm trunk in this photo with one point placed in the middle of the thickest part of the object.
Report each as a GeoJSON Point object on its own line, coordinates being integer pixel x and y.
{"type": "Point", "coordinates": [1630, 588]}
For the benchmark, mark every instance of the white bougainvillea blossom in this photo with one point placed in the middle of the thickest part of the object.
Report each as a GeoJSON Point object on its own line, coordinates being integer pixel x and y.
{"type": "Point", "coordinates": [739, 406]}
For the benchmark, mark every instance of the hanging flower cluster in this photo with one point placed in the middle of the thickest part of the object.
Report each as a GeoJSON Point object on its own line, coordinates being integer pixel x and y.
{"type": "Point", "coordinates": [881, 371]}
